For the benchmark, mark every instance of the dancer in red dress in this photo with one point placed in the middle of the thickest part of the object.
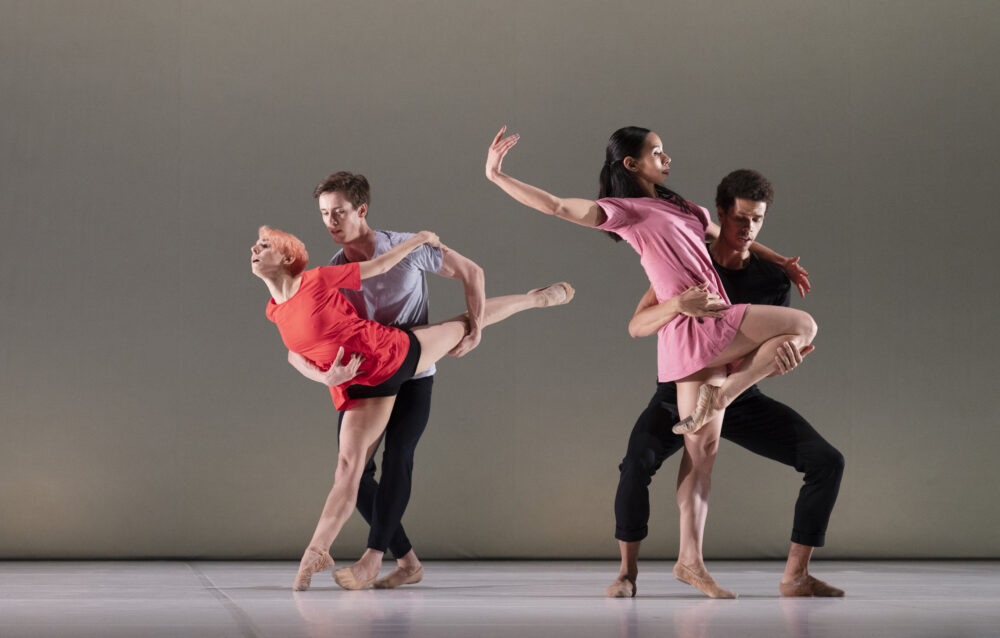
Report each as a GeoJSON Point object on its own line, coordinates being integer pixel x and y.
{"type": "Point", "coordinates": [362, 361]}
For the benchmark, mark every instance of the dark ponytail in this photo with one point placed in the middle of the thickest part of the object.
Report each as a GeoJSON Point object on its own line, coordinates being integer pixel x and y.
{"type": "Point", "coordinates": [617, 181]}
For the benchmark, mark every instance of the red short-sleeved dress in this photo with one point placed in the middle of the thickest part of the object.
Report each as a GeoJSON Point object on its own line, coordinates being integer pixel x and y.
{"type": "Point", "coordinates": [318, 320]}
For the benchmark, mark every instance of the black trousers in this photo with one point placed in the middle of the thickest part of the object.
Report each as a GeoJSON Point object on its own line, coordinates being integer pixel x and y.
{"type": "Point", "coordinates": [753, 421]}
{"type": "Point", "coordinates": [382, 504]}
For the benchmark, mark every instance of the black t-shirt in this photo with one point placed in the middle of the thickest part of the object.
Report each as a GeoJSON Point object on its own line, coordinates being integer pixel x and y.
{"type": "Point", "coordinates": [761, 282]}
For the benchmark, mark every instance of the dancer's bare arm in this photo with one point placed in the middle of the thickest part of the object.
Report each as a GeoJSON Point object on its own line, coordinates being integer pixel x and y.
{"type": "Point", "coordinates": [384, 262]}
{"type": "Point", "coordinates": [456, 266]}
{"type": "Point", "coordinates": [337, 373]}
{"type": "Point", "coordinates": [696, 301]}
{"type": "Point", "coordinates": [579, 211]}
{"type": "Point", "coordinates": [796, 273]}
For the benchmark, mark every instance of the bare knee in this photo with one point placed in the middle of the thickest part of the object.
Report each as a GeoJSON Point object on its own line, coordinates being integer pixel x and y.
{"type": "Point", "coordinates": [349, 468]}
{"type": "Point", "coordinates": [807, 328]}
{"type": "Point", "coordinates": [703, 453]}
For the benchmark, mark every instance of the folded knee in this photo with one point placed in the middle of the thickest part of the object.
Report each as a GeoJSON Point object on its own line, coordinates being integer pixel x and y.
{"type": "Point", "coordinates": [828, 462]}
{"type": "Point", "coordinates": [808, 328]}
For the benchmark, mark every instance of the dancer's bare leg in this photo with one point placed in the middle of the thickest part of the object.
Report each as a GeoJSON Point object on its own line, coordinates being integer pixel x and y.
{"type": "Point", "coordinates": [363, 424]}
{"type": "Point", "coordinates": [796, 581]}
{"type": "Point", "coordinates": [367, 567]}
{"type": "Point", "coordinates": [764, 329]}
{"type": "Point", "coordinates": [624, 585]}
{"type": "Point", "coordinates": [437, 340]}
{"type": "Point", "coordinates": [694, 484]}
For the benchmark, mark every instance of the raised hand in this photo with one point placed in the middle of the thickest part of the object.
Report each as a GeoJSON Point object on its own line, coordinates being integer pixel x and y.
{"type": "Point", "coordinates": [798, 275]}
{"type": "Point", "coordinates": [498, 149]}
{"type": "Point", "coordinates": [697, 301]}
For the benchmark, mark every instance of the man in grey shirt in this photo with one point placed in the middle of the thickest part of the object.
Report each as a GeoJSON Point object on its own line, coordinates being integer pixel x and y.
{"type": "Point", "coordinates": [396, 298]}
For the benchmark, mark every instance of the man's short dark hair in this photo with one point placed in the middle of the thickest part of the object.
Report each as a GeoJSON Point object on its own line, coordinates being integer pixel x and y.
{"type": "Point", "coordinates": [744, 183]}
{"type": "Point", "coordinates": [354, 187]}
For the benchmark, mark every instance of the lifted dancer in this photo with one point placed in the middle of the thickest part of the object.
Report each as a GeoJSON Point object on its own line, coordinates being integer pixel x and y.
{"type": "Point", "coordinates": [753, 421]}
{"type": "Point", "coordinates": [321, 328]}
{"type": "Point", "coordinates": [668, 232]}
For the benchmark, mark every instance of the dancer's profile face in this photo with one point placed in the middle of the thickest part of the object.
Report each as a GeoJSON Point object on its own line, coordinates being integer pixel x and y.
{"type": "Point", "coordinates": [343, 221]}
{"type": "Point", "coordinates": [741, 223]}
{"type": "Point", "coordinates": [652, 165]}
{"type": "Point", "coordinates": [265, 259]}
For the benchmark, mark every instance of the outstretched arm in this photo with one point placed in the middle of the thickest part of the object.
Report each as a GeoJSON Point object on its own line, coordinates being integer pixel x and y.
{"type": "Point", "coordinates": [455, 266]}
{"type": "Point", "coordinates": [579, 211]}
{"type": "Point", "coordinates": [795, 272]}
{"type": "Point", "coordinates": [696, 301]}
{"type": "Point", "coordinates": [394, 255]}
{"type": "Point", "coordinates": [337, 373]}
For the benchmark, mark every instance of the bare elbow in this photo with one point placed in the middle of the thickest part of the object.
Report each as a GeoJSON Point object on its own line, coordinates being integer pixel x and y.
{"type": "Point", "coordinates": [634, 331]}
{"type": "Point", "coordinates": [477, 274]}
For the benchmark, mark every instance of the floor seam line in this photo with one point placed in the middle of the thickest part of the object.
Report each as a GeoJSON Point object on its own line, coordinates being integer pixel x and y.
{"type": "Point", "coordinates": [245, 625]}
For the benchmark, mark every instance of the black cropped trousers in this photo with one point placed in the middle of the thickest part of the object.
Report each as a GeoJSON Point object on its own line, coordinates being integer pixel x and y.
{"type": "Point", "coordinates": [753, 421]}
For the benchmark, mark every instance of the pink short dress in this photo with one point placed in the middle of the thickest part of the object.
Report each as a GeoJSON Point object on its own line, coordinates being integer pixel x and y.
{"type": "Point", "coordinates": [671, 246]}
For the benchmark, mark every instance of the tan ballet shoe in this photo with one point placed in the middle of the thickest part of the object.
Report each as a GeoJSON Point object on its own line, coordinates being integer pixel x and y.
{"type": "Point", "coordinates": [555, 294]}
{"type": "Point", "coordinates": [303, 579]}
{"type": "Point", "coordinates": [346, 579]}
{"type": "Point", "coordinates": [400, 576]}
{"type": "Point", "coordinates": [809, 587]}
{"type": "Point", "coordinates": [701, 580]}
{"type": "Point", "coordinates": [621, 588]}
{"type": "Point", "coordinates": [698, 418]}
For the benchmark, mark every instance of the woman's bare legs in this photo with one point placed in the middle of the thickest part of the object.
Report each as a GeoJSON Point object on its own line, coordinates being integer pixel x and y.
{"type": "Point", "coordinates": [363, 424]}
{"type": "Point", "coordinates": [763, 330]}
{"type": "Point", "coordinates": [435, 342]}
{"type": "Point", "coordinates": [694, 483]}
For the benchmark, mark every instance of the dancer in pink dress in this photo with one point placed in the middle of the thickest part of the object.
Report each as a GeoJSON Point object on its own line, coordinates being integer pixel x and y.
{"type": "Point", "coordinates": [712, 359]}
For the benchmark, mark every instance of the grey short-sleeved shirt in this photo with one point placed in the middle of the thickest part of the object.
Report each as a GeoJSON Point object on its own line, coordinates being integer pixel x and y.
{"type": "Point", "coordinates": [399, 297]}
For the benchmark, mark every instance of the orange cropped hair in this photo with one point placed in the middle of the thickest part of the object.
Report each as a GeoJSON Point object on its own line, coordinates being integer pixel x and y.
{"type": "Point", "coordinates": [288, 245]}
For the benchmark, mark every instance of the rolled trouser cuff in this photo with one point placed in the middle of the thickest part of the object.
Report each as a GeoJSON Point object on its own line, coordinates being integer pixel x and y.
{"type": "Point", "coordinates": [812, 540]}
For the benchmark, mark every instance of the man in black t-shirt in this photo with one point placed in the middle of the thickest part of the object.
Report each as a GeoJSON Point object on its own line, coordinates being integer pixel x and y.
{"type": "Point", "coordinates": [754, 421]}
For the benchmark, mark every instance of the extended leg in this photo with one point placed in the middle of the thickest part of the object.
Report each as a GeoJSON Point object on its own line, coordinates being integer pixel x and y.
{"type": "Point", "coordinates": [438, 339]}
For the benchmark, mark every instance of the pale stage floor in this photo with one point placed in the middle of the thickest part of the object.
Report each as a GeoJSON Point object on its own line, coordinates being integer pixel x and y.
{"type": "Point", "coordinates": [522, 599]}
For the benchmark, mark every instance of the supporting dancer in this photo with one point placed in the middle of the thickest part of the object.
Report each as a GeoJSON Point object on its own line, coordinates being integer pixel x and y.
{"type": "Point", "coordinates": [397, 298]}
{"type": "Point", "coordinates": [753, 421]}
{"type": "Point", "coordinates": [668, 232]}
{"type": "Point", "coordinates": [318, 325]}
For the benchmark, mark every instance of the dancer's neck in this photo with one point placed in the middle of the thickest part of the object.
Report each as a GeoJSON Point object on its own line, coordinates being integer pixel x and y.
{"type": "Point", "coordinates": [283, 286]}
{"type": "Point", "coordinates": [362, 248]}
{"type": "Point", "coordinates": [729, 257]}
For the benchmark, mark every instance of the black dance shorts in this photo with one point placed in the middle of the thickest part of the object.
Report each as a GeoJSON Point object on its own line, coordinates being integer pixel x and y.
{"type": "Point", "coordinates": [390, 387]}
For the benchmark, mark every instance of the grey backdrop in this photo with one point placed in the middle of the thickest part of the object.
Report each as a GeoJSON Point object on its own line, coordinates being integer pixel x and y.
{"type": "Point", "coordinates": [147, 408]}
